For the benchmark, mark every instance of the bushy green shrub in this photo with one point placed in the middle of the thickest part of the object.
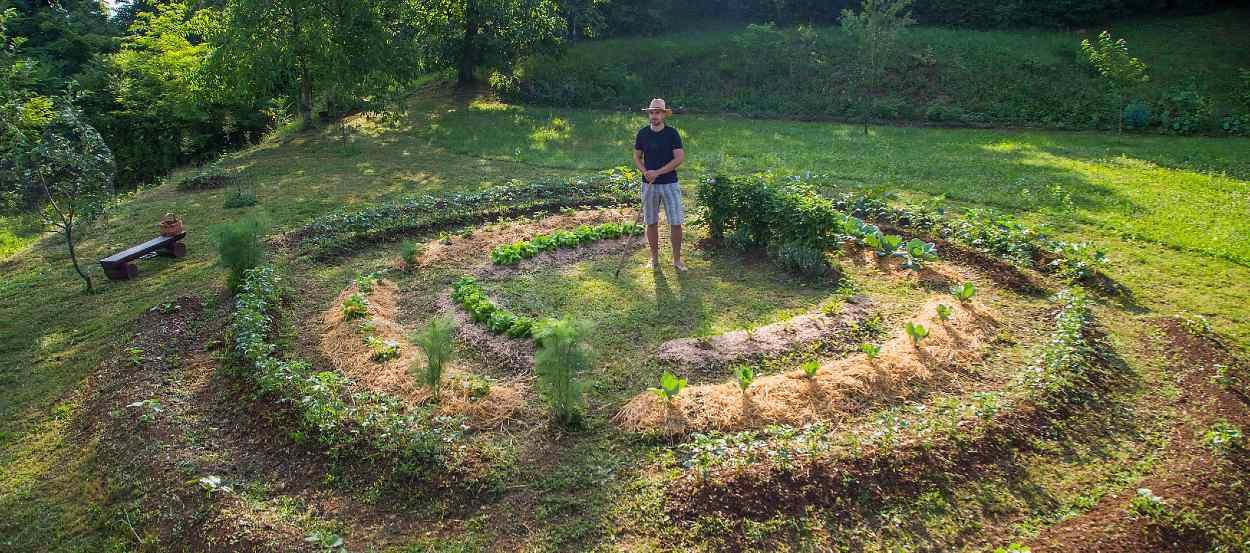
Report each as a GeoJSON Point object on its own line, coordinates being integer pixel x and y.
{"type": "Point", "coordinates": [561, 356]}
{"type": "Point", "coordinates": [436, 342]}
{"type": "Point", "coordinates": [240, 246]}
{"type": "Point", "coordinates": [1184, 110]}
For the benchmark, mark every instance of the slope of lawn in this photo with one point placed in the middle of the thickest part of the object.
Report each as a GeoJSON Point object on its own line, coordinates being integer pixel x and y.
{"type": "Point", "coordinates": [1017, 78]}
{"type": "Point", "coordinates": [1173, 214]}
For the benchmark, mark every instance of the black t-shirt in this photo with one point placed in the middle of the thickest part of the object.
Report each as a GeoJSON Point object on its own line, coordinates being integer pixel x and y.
{"type": "Point", "coordinates": [657, 150]}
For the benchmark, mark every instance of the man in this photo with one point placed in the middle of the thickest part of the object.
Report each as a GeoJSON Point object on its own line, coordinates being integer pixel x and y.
{"type": "Point", "coordinates": [658, 154]}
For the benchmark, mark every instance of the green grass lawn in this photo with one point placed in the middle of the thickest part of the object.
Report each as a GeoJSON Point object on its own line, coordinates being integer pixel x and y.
{"type": "Point", "coordinates": [1173, 214]}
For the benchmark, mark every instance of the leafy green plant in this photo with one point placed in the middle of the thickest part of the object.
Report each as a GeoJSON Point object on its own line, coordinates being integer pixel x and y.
{"type": "Point", "coordinates": [239, 246]}
{"type": "Point", "coordinates": [871, 350]}
{"type": "Point", "coordinates": [411, 251]}
{"type": "Point", "coordinates": [944, 311]}
{"type": "Point", "coordinates": [745, 375]}
{"type": "Point", "coordinates": [500, 321]}
{"type": "Point", "coordinates": [917, 252]}
{"type": "Point", "coordinates": [365, 283]}
{"type": "Point", "coordinates": [1223, 437]}
{"type": "Point", "coordinates": [149, 409]}
{"type": "Point", "coordinates": [964, 292]}
{"type": "Point", "coordinates": [326, 541]}
{"type": "Point", "coordinates": [135, 355]}
{"type": "Point", "coordinates": [561, 356]}
{"type": "Point", "coordinates": [917, 332]}
{"type": "Point", "coordinates": [883, 244]}
{"type": "Point", "coordinates": [670, 386]}
{"type": "Point", "coordinates": [356, 306]}
{"type": "Point", "coordinates": [1121, 71]}
{"type": "Point", "coordinates": [436, 342]}
{"type": "Point", "coordinates": [810, 368]}
{"type": "Point", "coordinates": [238, 197]}
{"type": "Point", "coordinates": [382, 350]}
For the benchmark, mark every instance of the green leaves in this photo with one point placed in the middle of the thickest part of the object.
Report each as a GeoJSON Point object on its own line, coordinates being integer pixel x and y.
{"type": "Point", "coordinates": [917, 332]}
{"type": "Point", "coordinates": [382, 350]}
{"type": "Point", "coordinates": [436, 342]}
{"type": "Point", "coordinates": [511, 254]}
{"type": "Point", "coordinates": [871, 350]}
{"type": "Point", "coordinates": [810, 368]}
{"type": "Point", "coordinates": [917, 252]}
{"type": "Point", "coordinates": [356, 306]}
{"type": "Point", "coordinates": [746, 375]}
{"type": "Point", "coordinates": [561, 356]}
{"type": "Point", "coordinates": [469, 295]}
{"type": "Point", "coordinates": [944, 311]}
{"type": "Point", "coordinates": [964, 292]}
{"type": "Point", "coordinates": [670, 386]}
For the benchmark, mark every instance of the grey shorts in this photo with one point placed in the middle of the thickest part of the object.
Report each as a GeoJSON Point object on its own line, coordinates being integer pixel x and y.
{"type": "Point", "coordinates": [668, 194]}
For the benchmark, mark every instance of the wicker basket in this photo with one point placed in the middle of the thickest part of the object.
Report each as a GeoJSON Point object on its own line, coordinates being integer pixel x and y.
{"type": "Point", "coordinates": [170, 225]}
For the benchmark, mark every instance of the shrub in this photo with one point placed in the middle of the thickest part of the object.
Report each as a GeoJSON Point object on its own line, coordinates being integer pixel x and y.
{"type": "Point", "coordinates": [1136, 115]}
{"type": "Point", "coordinates": [1184, 110]}
{"type": "Point", "coordinates": [436, 342]}
{"type": "Point", "coordinates": [239, 246]}
{"type": "Point", "coordinates": [410, 251]}
{"type": "Point", "coordinates": [560, 358]}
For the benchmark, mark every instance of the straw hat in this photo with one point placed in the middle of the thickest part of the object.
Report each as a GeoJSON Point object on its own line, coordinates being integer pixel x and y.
{"type": "Point", "coordinates": [658, 104]}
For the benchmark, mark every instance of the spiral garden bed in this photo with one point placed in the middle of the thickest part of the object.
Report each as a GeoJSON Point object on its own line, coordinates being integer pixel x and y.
{"type": "Point", "coordinates": [877, 366]}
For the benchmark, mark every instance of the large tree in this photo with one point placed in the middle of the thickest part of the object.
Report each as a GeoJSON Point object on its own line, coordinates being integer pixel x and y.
{"type": "Point", "coordinates": [299, 48]}
{"type": "Point", "coordinates": [467, 35]}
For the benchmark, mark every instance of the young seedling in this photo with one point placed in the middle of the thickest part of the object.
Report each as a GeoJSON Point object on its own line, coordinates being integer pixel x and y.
{"type": "Point", "coordinates": [871, 350]}
{"type": "Point", "coordinates": [383, 350]}
{"type": "Point", "coordinates": [917, 332]}
{"type": "Point", "coordinates": [670, 386]}
{"type": "Point", "coordinates": [746, 375]}
{"type": "Point", "coordinates": [410, 252]}
{"type": "Point", "coordinates": [364, 283]}
{"type": "Point", "coordinates": [810, 368]}
{"type": "Point", "coordinates": [964, 292]}
{"type": "Point", "coordinates": [944, 311]}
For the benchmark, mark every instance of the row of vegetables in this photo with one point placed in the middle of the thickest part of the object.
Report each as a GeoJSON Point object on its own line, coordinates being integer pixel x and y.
{"type": "Point", "coordinates": [511, 254]}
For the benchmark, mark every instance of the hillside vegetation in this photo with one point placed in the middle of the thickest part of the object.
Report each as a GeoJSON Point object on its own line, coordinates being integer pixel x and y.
{"type": "Point", "coordinates": [1199, 75]}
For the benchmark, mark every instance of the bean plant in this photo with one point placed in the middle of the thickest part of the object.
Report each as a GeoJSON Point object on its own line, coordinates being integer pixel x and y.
{"type": "Point", "coordinates": [670, 386]}
{"type": "Point", "coordinates": [746, 375]}
{"type": "Point", "coordinates": [810, 368]}
{"type": "Point", "coordinates": [917, 332]}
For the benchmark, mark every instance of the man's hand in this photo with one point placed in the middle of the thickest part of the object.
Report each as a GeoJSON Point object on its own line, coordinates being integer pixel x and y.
{"type": "Point", "coordinates": [650, 176]}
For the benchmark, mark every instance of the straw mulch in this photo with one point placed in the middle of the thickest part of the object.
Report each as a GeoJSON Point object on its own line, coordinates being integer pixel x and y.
{"type": "Point", "coordinates": [841, 387]}
{"type": "Point", "coordinates": [342, 343]}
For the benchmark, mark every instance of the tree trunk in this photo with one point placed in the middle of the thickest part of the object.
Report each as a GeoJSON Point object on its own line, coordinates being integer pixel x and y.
{"type": "Point", "coordinates": [305, 95]}
{"type": "Point", "coordinates": [73, 255]}
{"type": "Point", "coordinates": [468, 48]}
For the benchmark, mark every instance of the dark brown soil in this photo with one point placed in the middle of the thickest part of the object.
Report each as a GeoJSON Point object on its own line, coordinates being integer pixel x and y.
{"type": "Point", "coordinates": [1191, 476]}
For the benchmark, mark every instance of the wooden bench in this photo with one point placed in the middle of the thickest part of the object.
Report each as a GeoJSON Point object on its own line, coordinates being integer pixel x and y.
{"type": "Point", "coordinates": [119, 266]}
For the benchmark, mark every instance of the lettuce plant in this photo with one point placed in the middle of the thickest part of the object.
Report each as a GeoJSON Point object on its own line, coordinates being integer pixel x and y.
{"type": "Point", "coordinates": [383, 350]}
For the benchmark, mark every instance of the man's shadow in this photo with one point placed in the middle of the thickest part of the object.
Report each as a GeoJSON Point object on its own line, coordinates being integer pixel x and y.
{"type": "Point", "coordinates": [685, 306]}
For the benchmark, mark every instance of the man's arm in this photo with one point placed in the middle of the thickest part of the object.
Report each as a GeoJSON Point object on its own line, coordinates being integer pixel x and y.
{"type": "Point", "coordinates": [679, 156]}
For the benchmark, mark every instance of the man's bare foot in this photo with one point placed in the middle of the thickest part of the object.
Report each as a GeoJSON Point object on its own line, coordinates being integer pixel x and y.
{"type": "Point", "coordinates": [655, 263]}
{"type": "Point", "coordinates": [681, 267]}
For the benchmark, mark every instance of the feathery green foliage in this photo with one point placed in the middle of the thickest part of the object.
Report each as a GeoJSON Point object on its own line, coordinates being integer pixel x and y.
{"type": "Point", "coordinates": [561, 357]}
{"type": "Point", "coordinates": [436, 342]}
{"type": "Point", "coordinates": [240, 246]}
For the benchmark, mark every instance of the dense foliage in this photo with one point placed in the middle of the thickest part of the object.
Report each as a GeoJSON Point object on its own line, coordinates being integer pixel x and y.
{"type": "Point", "coordinates": [240, 246]}
{"type": "Point", "coordinates": [333, 232]}
{"type": "Point", "coordinates": [470, 296]}
{"type": "Point", "coordinates": [511, 254]}
{"type": "Point", "coordinates": [360, 426]}
{"type": "Point", "coordinates": [940, 76]}
{"type": "Point", "coordinates": [562, 355]}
